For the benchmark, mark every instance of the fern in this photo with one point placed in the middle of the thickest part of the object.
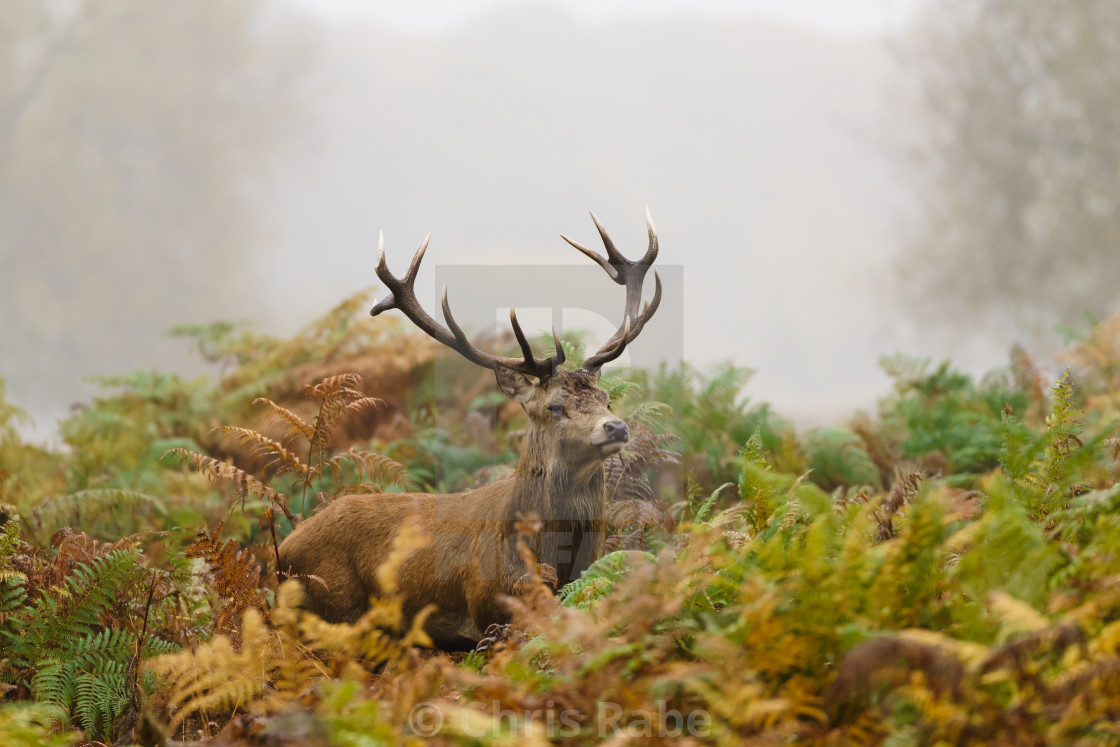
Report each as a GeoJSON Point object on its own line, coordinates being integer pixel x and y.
{"type": "Point", "coordinates": [32, 725]}
{"type": "Point", "coordinates": [338, 397]}
{"type": "Point", "coordinates": [597, 581]}
{"type": "Point", "coordinates": [1020, 446]}
{"type": "Point", "coordinates": [279, 459]}
{"type": "Point", "coordinates": [87, 593]}
{"type": "Point", "coordinates": [904, 489]}
{"type": "Point", "coordinates": [14, 645]}
{"type": "Point", "coordinates": [275, 653]}
{"type": "Point", "coordinates": [839, 457]}
{"type": "Point", "coordinates": [1052, 475]}
{"type": "Point", "coordinates": [704, 510]}
{"type": "Point", "coordinates": [77, 664]}
{"type": "Point", "coordinates": [123, 505]}
{"type": "Point", "coordinates": [236, 578]}
{"type": "Point", "coordinates": [247, 485]}
{"type": "Point", "coordinates": [93, 677]}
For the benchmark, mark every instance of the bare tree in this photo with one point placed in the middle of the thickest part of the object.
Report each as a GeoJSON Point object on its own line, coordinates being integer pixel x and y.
{"type": "Point", "coordinates": [129, 131]}
{"type": "Point", "coordinates": [1018, 163]}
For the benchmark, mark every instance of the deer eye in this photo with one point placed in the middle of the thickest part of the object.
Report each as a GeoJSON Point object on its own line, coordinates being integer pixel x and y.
{"type": "Point", "coordinates": [556, 409]}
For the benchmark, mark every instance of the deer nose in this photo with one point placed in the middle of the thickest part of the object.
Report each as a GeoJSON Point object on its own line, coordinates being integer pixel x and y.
{"type": "Point", "coordinates": [617, 430]}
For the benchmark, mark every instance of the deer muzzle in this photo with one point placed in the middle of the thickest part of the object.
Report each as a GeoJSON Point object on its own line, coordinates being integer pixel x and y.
{"type": "Point", "coordinates": [611, 436]}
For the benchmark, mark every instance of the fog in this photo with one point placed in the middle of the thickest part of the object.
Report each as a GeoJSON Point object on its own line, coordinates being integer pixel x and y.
{"type": "Point", "coordinates": [765, 148]}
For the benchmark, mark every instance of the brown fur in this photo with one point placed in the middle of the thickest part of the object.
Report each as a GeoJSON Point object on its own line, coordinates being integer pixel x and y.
{"type": "Point", "coordinates": [470, 560]}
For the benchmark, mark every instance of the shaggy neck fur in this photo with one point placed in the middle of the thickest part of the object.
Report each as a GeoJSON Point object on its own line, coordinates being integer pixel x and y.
{"type": "Point", "coordinates": [569, 502]}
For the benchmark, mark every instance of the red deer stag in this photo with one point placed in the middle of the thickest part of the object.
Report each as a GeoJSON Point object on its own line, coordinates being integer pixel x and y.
{"type": "Point", "coordinates": [470, 560]}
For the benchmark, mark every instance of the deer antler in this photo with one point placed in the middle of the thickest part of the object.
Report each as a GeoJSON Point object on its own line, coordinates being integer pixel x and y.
{"type": "Point", "coordinates": [631, 274]}
{"type": "Point", "coordinates": [402, 295]}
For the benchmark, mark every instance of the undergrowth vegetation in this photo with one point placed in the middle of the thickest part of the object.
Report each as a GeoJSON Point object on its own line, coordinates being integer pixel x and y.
{"type": "Point", "coordinates": [941, 571]}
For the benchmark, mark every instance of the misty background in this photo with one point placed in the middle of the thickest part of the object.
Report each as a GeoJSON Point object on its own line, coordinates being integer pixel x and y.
{"type": "Point", "coordinates": [837, 180]}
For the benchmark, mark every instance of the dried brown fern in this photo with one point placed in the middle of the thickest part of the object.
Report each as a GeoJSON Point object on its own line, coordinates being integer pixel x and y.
{"type": "Point", "coordinates": [379, 469]}
{"type": "Point", "coordinates": [338, 396]}
{"type": "Point", "coordinates": [276, 458]}
{"type": "Point", "coordinates": [904, 489]}
{"type": "Point", "coordinates": [246, 484]}
{"type": "Point", "coordinates": [297, 426]}
{"type": "Point", "coordinates": [236, 578]}
{"type": "Point", "coordinates": [285, 658]}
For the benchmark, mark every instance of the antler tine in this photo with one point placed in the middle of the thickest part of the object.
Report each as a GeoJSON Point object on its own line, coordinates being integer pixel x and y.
{"type": "Point", "coordinates": [414, 266]}
{"type": "Point", "coordinates": [613, 255]}
{"type": "Point", "coordinates": [631, 274]}
{"type": "Point", "coordinates": [613, 348]}
{"type": "Point", "coordinates": [651, 252]}
{"type": "Point", "coordinates": [402, 293]}
{"type": "Point", "coordinates": [618, 342]}
{"type": "Point", "coordinates": [560, 355]}
{"type": "Point", "coordinates": [462, 344]}
{"type": "Point", "coordinates": [526, 349]}
{"type": "Point", "coordinates": [595, 256]}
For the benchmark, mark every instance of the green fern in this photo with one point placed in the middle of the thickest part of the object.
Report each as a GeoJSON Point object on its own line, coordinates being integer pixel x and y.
{"type": "Point", "coordinates": [123, 505]}
{"type": "Point", "coordinates": [1052, 475]}
{"type": "Point", "coordinates": [1020, 446]}
{"type": "Point", "coordinates": [704, 510]}
{"type": "Point", "coordinates": [839, 457]}
{"type": "Point", "coordinates": [77, 665]}
{"type": "Point", "coordinates": [14, 645]}
{"type": "Point", "coordinates": [598, 580]}
{"type": "Point", "coordinates": [32, 725]}
{"type": "Point", "coordinates": [617, 386]}
{"type": "Point", "coordinates": [88, 591]}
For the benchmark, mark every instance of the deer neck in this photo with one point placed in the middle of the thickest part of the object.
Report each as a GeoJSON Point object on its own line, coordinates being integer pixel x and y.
{"type": "Point", "coordinates": [557, 492]}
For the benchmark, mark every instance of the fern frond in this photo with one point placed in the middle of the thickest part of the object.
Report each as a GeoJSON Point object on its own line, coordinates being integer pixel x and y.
{"type": "Point", "coordinates": [299, 426]}
{"type": "Point", "coordinates": [236, 577]}
{"type": "Point", "coordinates": [66, 508]}
{"type": "Point", "coordinates": [704, 510]}
{"type": "Point", "coordinates": [217, 677]}
{"type": "Point", "coordinates": [265, 448]}
{"type": "Point", "coordinates": [247, 485]}
{"type": "Point", "coordinates": [650, 414]}
{"type": "Point", "coordinates": [597, 581]}
{"type": "Point", "coordinates": [89, 591]}
{"type": "Point", "coordinates": [904, 489]}
{"type": "Point", "coordinates": [338, 396]}
{"type": "Point", "coordinates": [380, 469]}
{"type": "Point", "coordinates": [619, 388]}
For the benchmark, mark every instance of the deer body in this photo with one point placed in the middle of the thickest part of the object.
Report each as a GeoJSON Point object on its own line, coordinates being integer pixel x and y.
{"type": "Point", "coordinates": [470, 561]}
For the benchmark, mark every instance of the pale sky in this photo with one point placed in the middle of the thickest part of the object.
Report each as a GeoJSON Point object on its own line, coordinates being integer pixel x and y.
{"type": "Point", "coordinates": [842, 17]}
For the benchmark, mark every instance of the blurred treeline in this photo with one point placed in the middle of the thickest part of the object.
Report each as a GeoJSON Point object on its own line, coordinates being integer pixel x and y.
{"type": "Point", "coordinates": [133, 136]}
{"type": "Point", "coordinates": [1016, 163]}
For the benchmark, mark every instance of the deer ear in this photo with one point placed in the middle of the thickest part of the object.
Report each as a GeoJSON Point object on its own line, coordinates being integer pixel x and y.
{"type": "Point", "coordinates": [515, 385]}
